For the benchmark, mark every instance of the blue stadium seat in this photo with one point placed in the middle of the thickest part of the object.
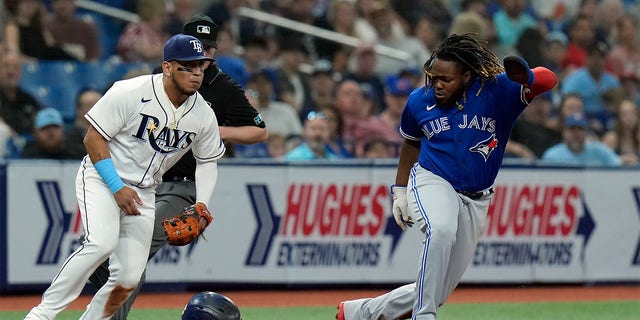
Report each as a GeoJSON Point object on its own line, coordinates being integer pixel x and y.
{"type": "Point", "coordinates": [56, 83]}
{"type": "Point", "coordinates": [94, 75]}
{"type": "Point", "coordinates": [50, 72]}
{"type": "Point", "coordinates": [60, 96]}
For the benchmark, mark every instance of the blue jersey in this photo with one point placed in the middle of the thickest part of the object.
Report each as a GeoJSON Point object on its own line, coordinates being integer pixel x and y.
{"type": "Point", "coordinates": [465, 147]}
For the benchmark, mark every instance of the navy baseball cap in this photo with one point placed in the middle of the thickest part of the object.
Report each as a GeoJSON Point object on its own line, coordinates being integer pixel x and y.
{"type": "Point", "coordinates": [182, 47]}
{"type": "Point", "coordinates": [203, 28]}
{"type": "Point", "coordinates": [399, 86]}
{"type": "Point", "coordinates": [577, 120]}
{"type": "Point", "coordinates": [322, 66]}
{"type": "Point", "coordinates": [48, 117]}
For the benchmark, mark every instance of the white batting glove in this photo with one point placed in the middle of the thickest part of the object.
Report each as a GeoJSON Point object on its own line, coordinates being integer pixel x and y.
{"type": "Point", "coordinates": [400, 210]}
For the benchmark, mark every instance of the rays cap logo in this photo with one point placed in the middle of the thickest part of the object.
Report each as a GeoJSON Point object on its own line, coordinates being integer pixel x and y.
{"type": "Point", "coordinates": [183, 47]}
{"type": "Point", "coordinates": [203, 28]}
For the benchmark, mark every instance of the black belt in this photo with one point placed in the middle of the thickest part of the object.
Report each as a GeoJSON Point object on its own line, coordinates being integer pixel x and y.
{"type": "Point", "coordinates": [476, 195]}
{"type": "Point", "coordinates": [177, 179]}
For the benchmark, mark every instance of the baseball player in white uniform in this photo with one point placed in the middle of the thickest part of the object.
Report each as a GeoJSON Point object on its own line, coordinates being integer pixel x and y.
{"type": "Point", "coordinates": [139, 129]}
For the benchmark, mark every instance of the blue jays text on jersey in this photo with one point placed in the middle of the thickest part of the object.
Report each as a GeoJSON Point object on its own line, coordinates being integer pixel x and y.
{"type": "Point", "coordinates": [464, 145]}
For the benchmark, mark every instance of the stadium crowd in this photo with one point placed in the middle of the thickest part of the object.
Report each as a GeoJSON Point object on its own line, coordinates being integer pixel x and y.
{"type": "Point", "coordinates": [323, 99]}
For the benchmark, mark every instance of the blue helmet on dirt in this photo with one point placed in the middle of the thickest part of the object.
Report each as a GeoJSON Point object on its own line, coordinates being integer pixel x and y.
{"type": "Point", "coordinates": [210, 305]}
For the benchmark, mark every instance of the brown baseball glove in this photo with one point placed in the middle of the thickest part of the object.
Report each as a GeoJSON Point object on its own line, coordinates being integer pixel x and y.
{"type": "Point", "coordinates": [188, 225]}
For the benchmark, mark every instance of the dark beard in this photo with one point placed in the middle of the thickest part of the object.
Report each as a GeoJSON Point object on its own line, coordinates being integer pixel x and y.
{"type": "Point", "coordinates": [186, 92]}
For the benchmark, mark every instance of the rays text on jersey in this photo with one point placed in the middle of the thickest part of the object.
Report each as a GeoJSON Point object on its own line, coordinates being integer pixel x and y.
{"type": "Point", "coordinates": [164, 140]}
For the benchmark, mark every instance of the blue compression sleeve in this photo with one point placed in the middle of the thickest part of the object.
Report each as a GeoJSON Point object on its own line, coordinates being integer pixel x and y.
{"type": "Point", "coordinates": [107, 171]}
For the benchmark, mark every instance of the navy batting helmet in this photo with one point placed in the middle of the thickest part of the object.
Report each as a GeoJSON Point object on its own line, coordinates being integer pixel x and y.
{"type": "Point", "coordinates": [210, 305]}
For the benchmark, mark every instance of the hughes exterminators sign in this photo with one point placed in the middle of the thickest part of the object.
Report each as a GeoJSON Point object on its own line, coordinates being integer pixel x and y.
{"type": "Point", "coordinates": [534, 225]}
{"type": "Point", "coordinates": [332, 223]}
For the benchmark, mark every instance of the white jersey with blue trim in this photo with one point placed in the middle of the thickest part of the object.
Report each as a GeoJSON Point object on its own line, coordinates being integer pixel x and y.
{"type": "Point", "coordinates": [464, 144]}
{"type": "Point", "coordinates": [147, 134]}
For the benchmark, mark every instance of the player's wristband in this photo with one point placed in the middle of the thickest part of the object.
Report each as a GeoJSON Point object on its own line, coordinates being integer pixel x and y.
{"type": "Point", "coordinates": [395, 189]}
{"type": "Point", "coordinates": [107, 171]}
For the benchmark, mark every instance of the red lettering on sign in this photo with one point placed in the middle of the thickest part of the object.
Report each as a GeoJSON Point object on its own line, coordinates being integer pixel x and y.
{"type": "Point", "coordinates": [330, 210]}
{"type": "Point", "coordinates": [530, 210]}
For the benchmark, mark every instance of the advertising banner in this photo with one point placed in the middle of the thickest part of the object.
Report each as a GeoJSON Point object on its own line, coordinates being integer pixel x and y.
{"type": "Point", "coordinates": [332, 223]}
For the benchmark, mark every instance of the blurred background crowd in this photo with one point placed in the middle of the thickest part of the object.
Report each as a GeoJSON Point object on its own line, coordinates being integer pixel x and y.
{"type": "Point", "coordinates": [336, 99]}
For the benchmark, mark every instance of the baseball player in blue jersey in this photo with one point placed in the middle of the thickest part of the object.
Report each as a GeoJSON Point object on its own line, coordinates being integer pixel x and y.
{"type": "Point", "coordinates": [455, 130]}
{"type": "Point", "coordinates": [139, 129]}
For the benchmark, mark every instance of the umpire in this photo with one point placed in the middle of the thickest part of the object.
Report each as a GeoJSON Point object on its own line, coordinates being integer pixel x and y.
{"type": "Point", "coordinates": [239, 123]}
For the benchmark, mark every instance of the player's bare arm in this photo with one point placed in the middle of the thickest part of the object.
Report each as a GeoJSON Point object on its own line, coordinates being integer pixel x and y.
{"type": "Point", "coordinates": [97, 148]}
{"type": "Point", "coordinates": [409, 151]}
{"type": "Point", "coordinates": [244, 134]}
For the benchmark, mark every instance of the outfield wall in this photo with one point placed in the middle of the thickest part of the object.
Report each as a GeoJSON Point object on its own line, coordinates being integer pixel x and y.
{"type": "Point", "coordinates": [331, 223]}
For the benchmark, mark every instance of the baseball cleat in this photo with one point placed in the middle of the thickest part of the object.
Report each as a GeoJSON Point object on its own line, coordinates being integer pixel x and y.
{"type": "Point", "coordinates": [340, 314]}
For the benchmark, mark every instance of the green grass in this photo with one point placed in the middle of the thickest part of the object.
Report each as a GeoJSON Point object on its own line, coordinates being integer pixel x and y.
{"type": "Point", "coordinates": [609, 310]}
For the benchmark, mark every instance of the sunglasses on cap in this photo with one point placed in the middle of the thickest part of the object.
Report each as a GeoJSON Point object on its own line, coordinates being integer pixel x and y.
{"type": "Point", "coordinates": [316, 115]}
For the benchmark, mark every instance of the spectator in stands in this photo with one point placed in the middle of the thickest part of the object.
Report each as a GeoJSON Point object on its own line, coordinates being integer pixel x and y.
{"type": "Point", "coordinates": [335, 140]}
{"type": "Point", "coordinates": [577, 149]}
{"type": "Point", "coordinates": [10, 141]}
{"type": "Point", "coordinates": [322, 85]}
{"type": "Point", "coordinates": [224, 14]}
{"type": "Point", "coordinates": [303, 11]}
{"type": "Point", "coordinates": [609, 13]}
{"type": "Point", "coordinates": [480, 7]}
{"type": "Point", "coordinates": [415, 75]}
{"type": "Point", "coordinates": [359, 124]}
{"type": "Point", "coordinates": [510, 21]}
{"type": "Point", "coordinates": [48, 142]}
{"type": "Point", "coordinates": [569, 104]}
{"type": "Point", "coordinates": [624, 57]}
{"type": "Point", "coordinates": [437, 10]}
{"type": "Point", "coordinates": [182, 11]}
{"type": "Point", "coordinates": [341, 60]}
{"type": "Point", "coordinates": [144, 40]}
{"type": "Point", "coordinates": [78, 38]}
{"type": "Point", "coordinates": [365, 74]}
{"type": "Point", "coordinates": [378, 148]}
{"type": "Point", "coordinates": [555, 13]}
{"type": "Point", "coordinates": [26, 32]}
{"type": "Point", "coordinates": [624, 138]}
{"type": "Point", "coordinates": [276, 146]}
{"type": "Point", "coordinates": [591, 82]}
{"type": "Point", "coordinates": [292, 85]}
{"type": "Point", "coordinates": [315, 137]}
{"type": "Point", "coordinates": [581, 37]}
{"type": "Point", "coordinates": [228, 60]}
{"type": "Point", "coordinates": [397, 92]}
{"type": "Point", "coordinates": [382, 19]}
{"type": "Point", "coordinates": [554, 52]}
{"type": "Point", "coordinates": [343, 18]}
{"type": "Point", "coordinates": [472, 22]}
{"type": "Point", "coordinates": [533, 132]}
{"type": "Point", "coordinates": [256, 55]}
{"type": "Point", "coordinates": [74, 136]}
{"type": "Point", "coordinates": [282, 119]}
{"type": "Point", "coordinates": [530, 45]}
{"type": "Point", "coordinates": [631, 86]}
{"type": "Point", "coordinates": [18, 107]}
{"type": "Point", "coordinates": [6, 135]}
{"type": "Point", "coordinates": [427, 32]}
{"type": "Point", "coordinates": [588, 9]}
